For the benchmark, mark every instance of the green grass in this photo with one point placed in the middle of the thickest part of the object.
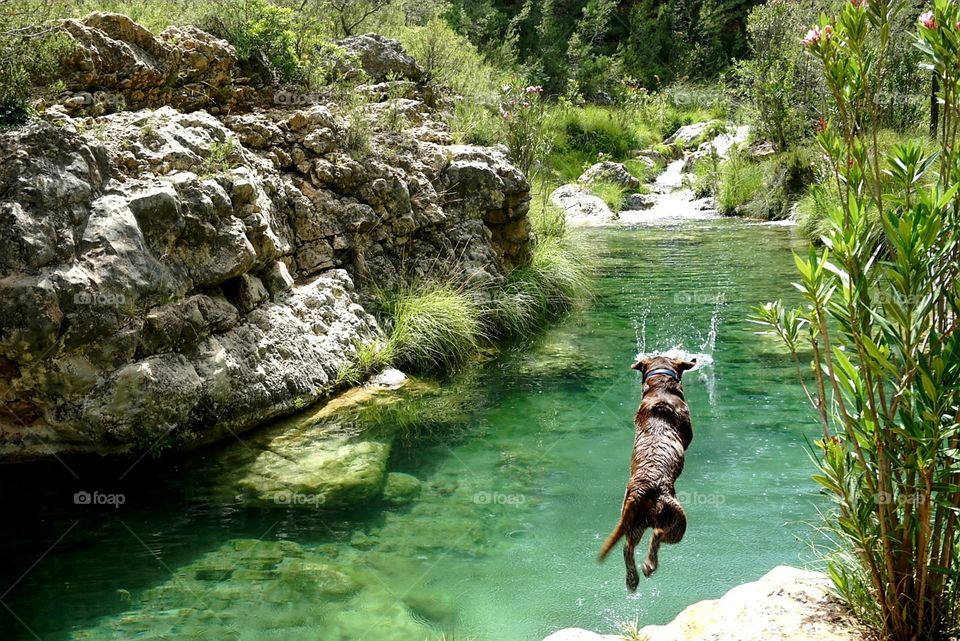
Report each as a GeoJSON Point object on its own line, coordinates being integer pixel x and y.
{"type": "Point", "coordinates": [431, 325]}
{"type": "Point", "coordinates": [740, 182]}
{"type": "Point", "coordinates": [613, 194]}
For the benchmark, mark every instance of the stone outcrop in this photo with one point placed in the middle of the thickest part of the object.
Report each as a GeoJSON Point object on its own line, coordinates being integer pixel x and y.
{"type": "Point", "coordinates": [582, 207]}
{"type": "Point", "coordinates": [168, 277]}
{"type": "Point", "coordinates": [785, 604]}
{"type": "Point", "coordinates": [612, 172]}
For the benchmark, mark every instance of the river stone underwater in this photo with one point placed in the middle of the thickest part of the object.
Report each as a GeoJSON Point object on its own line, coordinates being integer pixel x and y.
{"type": "Point", "coordinates": [523, 462]}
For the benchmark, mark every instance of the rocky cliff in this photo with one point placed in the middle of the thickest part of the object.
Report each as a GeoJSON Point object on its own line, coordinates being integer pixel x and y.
{"type": "Point", "coordinates": [198, 266]}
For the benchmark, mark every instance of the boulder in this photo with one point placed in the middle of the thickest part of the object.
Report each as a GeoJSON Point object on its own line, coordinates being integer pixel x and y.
{"type": "Point", "coordinates": [116, 63]}
{"type": "Point", "coordinates": [639, 201]}
{"type": "Point", "coordinates": [607, 171]}
{"type": "Point", "coordinates": [692, 135]}
{"type": "Point", "coordinates": [581, 207]}
{"type": "Point", "coordinates": [381, 58]}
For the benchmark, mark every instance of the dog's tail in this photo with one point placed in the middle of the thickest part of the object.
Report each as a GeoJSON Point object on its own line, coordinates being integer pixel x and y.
{"type": "Point", "coordinates": [626, 516]}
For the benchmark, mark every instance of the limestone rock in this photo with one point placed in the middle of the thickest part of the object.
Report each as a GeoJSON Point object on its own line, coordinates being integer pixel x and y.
{"type": "Point", "coordinates": [224, 255]}
{"type": "Point", "coordinates": [316, 473]}
{"type": "Point", "coordinates": [380, 58]}
{"type": "Point", "coordinates": [607, 171]}
{"type": "Point", "coordinates": [183, 66]}
{"type": "Point", "coordinates": [581, 207]}
{"type": "Point", "coordinates": [692, 135]}
{"type": "Point", "coordinates": [785, 604]}
{"type": "Point", "coordinates": [639, 201]}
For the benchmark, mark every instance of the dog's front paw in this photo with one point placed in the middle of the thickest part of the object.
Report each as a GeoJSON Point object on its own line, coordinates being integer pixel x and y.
{"type": "Point", "coordinates": [648, 568]}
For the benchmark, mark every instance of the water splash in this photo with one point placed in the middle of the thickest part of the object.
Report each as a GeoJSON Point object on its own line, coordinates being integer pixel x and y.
{"type": "Point", "coordinates": [703, 357]}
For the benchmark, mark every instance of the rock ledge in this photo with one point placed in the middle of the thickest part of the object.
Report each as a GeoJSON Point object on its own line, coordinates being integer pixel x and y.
{"type": "Point", "coordinates": [786, 603]}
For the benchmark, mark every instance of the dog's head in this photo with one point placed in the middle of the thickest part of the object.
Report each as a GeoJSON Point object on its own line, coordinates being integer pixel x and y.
{"type": "Point", "coordinates": [663, 365]}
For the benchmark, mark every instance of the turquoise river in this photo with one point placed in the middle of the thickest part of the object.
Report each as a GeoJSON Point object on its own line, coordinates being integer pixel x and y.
{"type": "Point", "coordinates": [522, 461]}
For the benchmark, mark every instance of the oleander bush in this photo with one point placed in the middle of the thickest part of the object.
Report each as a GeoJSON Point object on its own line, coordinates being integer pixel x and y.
{"type": "Point", "coordinates": [880, 316]}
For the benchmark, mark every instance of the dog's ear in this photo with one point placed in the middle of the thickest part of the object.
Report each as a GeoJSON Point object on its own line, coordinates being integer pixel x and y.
{"type": "Point", "coordinates": [683, 366]}
{"type": "Point", "coordinates": [641, 364]}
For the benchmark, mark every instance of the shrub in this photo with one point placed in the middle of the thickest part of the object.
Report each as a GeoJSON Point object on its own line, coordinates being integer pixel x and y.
{"type": "Point", "coordinates": [30, 51]}
{"type": "Point", "coordinates": [259, 29]}
{"type": "Point", "coordinates": [524, 126]}
{"type": "Point", "coordinates": [450, 59]}
{"type": "Point", "coordinates": [880, 316]}
{"type": "Point", "coordinates": [740, 181]}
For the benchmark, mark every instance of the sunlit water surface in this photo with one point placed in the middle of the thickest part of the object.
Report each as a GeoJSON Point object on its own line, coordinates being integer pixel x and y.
{"type": "Point", "coordinates": [523, 462]}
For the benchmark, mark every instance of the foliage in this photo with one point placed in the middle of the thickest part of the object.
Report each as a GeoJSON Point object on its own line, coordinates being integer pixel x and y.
{"type": "Point", "coordinates": [260, 30]}
{"type": "Point", "coordinates": [451, 60]}
{"type": "Point", "coordinates": [220, 158]}
{"type": "Point", "coordinates": [780, 84]}
{"type": "Point", "coordinates": [30, 51]}
{"type": "Point", "coordinates": [764, 188]}
{"type": "Point", "coordinates": [524, 125]}
{"type": "Point", "coordinates": [880, 315]}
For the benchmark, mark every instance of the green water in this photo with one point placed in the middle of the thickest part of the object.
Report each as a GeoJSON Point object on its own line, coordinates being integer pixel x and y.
{"type": "Point", "coordinates": [523, 463]}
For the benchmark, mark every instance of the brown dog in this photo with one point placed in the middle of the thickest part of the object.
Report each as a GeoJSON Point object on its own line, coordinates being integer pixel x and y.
{"type": "Point", "coordinates": [663, 435]}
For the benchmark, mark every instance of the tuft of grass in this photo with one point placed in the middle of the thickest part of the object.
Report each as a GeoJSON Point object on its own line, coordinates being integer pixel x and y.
{"type": "Point", "coordinates": [554, 282]}
{"type": "Point", "coordinates": [431, 325]}
{"type": "Point", "coordinates": [366, 359]}
{"type": "Point", "coordinates": [613, 194]}
{"type": "Point", "coordinates": [739, 183]}
{"type": "Point", "coordinates": [219, 159]}
{"type": "Point", "coordinates": [630, 631]}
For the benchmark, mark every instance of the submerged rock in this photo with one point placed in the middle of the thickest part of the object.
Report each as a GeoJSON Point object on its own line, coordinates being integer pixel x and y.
{"type": "Point", "coordinates": [581, 207]}
{"type": "Point", "coordinates": [316, 473]}
{"type": "Point", "coordinates": [401, 488]}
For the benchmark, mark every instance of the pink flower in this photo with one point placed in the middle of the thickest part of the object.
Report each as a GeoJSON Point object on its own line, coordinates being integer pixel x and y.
{"type": "Point", "coordinates": [957, 26]}
{"type": "Point", "coordinates": [534, 89]}
{"type": "Point", "coordinates": [928, 21]}
{"type": "Point", "coordinates": [812, 38]}
{"type": "Point", "coordinates": [827, 32]}
{"type": "Point", "coordinates": [858, 3]}
{"type": "Point", "coordinates": [505, 88]}
{"type": "Point", "coordinates": [506, 115]}
{"type": "Point", "coordinates": [526, 105]}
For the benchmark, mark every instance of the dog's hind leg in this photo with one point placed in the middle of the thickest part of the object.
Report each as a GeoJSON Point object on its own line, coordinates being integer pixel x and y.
{"type": "Point", "coordinates": [671, 525]}
{"type": "Point", "coordinates": [629, 542]}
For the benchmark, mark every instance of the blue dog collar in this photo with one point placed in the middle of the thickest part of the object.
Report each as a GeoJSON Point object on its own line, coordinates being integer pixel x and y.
{"type": "Point", "coordinates": [662, 370]}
